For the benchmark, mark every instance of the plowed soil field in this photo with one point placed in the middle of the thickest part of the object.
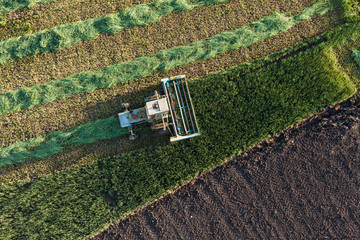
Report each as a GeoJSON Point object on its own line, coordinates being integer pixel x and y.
{"type": "Point", "coordinates": [302, 184]}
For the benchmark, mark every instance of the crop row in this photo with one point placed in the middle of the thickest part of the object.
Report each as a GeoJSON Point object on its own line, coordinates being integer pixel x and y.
{"type": "Point", "coordinates": [91, 152]}
{"type": "Point", "coordinates": [176, 29]}
{"type": "Point", "coordinates": [7, 6]}
{"type": "Point", "coordinates": [102, 103]}
{"type": "Point", "coordinates": [45, 16]}
{"type": "Point", "coordinates": [234, 112]}
{"type": "Point", "coordinates": [55, 142]}
{"type": "Point", "coordinates": [64, 36]}
{"type": "Point", "coordinates": [162, 61]}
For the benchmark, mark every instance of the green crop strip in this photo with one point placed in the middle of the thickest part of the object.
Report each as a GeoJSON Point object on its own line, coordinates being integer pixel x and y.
{"type": "Point", "coordinates": [356, 56]}
{"type": "Point", "coordinates": [162, 61]}
{"type": "Point", "coordinates": [55, 142]}
{"type": "Point", "coordinates": [7, 6]}
{"type": "Point", "coordinates": [234, 111]}
{"type": "Point", "coordinates": [64, 36]}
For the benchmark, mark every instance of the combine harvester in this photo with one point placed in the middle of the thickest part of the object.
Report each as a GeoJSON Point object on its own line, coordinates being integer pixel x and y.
{"type": "Point", "coordinates": [171, 112]}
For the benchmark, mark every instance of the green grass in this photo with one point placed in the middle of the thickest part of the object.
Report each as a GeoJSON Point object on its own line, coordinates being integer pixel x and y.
{"type": "Point", "coordinates": [64, 36]}
{"type": "Point", "coordinates": [351, 9]}
{"type": "Point", "coordinates": [55, 142]}
{"type": "Point", "coordinates": [234, 111]}
{"type": "Point", "coordinates": [7, 6]}
{"type": "Point", "coordinates": [356, 56]}
{"type": "Point", "coordinates": [162, 61]}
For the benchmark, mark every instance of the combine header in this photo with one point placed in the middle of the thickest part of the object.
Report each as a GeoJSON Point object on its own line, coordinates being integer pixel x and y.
{"type": "Point", "coordinates": [171, 111]}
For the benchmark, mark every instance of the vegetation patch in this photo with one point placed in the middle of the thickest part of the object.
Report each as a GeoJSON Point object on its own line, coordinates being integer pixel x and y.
{"type": "Point", "coordinates": [234, 113]}
{"type": "Point", "coordinates": [7, 6]}
{"type": "Point", "coordinates": [55, 142]}
{"type": "Point", "coordinates": [162, 61]}
{"type": "Point", "coordinates": [64, 36]}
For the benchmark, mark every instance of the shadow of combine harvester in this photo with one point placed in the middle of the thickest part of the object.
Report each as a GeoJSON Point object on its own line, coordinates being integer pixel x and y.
{"type": "Point", "coordinates": [169, 112]}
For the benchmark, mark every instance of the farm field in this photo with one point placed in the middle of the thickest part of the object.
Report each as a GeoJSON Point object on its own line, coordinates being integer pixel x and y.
{"type": "Point", "coordinates": [298, 185]}
{"type": "Point", "coordinates": [254, 68]}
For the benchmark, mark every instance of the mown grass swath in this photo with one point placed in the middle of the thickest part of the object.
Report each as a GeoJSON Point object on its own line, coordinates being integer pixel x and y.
{"type": "Point", "coordinates": [234, 112]}
{"type": "Point", "coordinates": [55, 142]}
{"type": "Point", "coordinates": [162, 61]}
{"type": "Point", "coordinates": [7, 6]}
{"type": "Point", "coordinates": [64, 36]}
{"type": "Point", "coordinates": [11, 173]}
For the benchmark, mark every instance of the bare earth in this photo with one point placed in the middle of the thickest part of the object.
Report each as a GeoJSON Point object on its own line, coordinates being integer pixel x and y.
{"type": "Point", "coordinates": [302, 184]}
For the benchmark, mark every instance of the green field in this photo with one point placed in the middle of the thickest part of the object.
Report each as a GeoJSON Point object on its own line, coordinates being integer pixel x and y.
{"type": "Point", "coordinates": [69, 174]}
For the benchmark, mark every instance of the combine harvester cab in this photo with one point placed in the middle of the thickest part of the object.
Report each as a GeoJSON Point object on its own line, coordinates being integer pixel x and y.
{"type": "Point", "coordinates": [172, 111]}
{"type": "Point", "coordinates": [182, 112]}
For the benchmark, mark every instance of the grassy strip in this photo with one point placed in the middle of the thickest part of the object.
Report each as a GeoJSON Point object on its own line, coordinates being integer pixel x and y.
{"type": "Point", "coordinates": [64, 36]}
{"type": "Point", "coordinates": [162, 61]}
{"type": "Point", "coordinates": [55, 142]}
{"type": "Point", "coordinates": [356, 56]}
{"type": "Point", "coordinates": [91, 152]}
{"type": "Point", "coordinates": [234, 113]}
{"type": "Point", "coordinates": [129, 44]}
{"type": "Point", "coordinates": [42, 147]}
{"type": "Point", "coordinates": [7, 6]}
{"type": "Point", "coordinates": [104, 103]}
{"type": "Point", "coordinates": [45, 16]}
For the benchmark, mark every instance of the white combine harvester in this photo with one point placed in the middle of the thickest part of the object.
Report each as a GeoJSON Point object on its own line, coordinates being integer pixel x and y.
{"type": "Point", "coordinates": [171, 112]}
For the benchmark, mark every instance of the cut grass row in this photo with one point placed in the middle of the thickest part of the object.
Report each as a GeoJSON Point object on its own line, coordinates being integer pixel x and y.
{"type": "Point", "coordinates": [7, 6]}
{"type": "Point", "coordinates": [21, 151]}
{"type": "Point", "coordinates": [176, 29]}
{"type": "Point", "coordinates": [67, 113]}
{"type": "Point", "coordinates": [64, 36]}
{"type": "Point", "coordinates": [162, 61]}
{"type": "Point", "coordinates": [91, 152]}
{"type": "Point", "coordinates": [44, 16]}
{"type": "Point", "coordinates": [55, 142]}
{"type": "Point", "coordinates": [234, 112]}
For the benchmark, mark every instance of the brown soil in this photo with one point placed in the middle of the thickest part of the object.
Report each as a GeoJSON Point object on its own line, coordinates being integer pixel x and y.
{"type": "Point", "coordinates": [302, 184]}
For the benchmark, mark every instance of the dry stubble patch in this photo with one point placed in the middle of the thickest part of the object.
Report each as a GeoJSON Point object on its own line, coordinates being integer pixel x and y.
{"type": "Point", "coordinates": [134, 42]}
{"type": "Point", "coordinates": [106, 103]}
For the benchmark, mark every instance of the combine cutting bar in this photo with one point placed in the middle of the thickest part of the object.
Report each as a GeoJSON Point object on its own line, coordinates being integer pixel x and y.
{"type": "Point", "coordinates": [184, 124]}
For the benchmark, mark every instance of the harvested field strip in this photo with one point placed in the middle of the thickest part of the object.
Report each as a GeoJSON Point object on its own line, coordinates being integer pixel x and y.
{"type": "Point", "coordinates": [102, 149]}
{"type": "Point", "coordinates": [162, 61]}
{"type": "Point", "coordinates": [252, 108]}
{"type": "Point", "coordinates": [75, 155]}
{"type": "Point", "coordinates": [103, 103]}
{"type": "Point", "coordinates": [128, 44]}
{"type": "Point", "coordinates": [7, 6]}
{"type": "Point", "coordinates": [64, 36]}
{"type": "Point", "coordinates": [57, 12]}
{"type": "Point", "coordinates": [55, 142]}
{"type": "Point", "coordinates": [42, 147]}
